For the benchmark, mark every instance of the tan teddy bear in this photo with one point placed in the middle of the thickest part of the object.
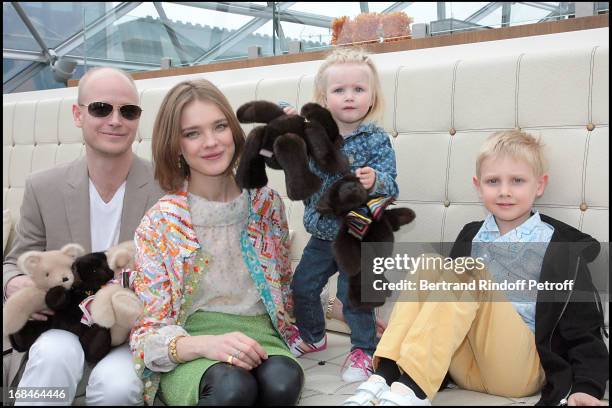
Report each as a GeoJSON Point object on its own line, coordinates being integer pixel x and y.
{"type": "Point", "coordinates": [47, 270]}
{"type": "Point", "coordinates": [116, 307]}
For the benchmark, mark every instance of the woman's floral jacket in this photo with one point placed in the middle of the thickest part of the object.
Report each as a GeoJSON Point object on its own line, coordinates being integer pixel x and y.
{"type": "Point", "coordinates": [170, 262]}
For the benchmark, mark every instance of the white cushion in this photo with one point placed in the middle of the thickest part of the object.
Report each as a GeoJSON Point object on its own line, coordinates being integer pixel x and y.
{"type": "Point", "coordinates": [553, 88]}
{"type": "Point", "coordinates": [424, 98]}
{"type": "Point", "coordinates": [600, 87]}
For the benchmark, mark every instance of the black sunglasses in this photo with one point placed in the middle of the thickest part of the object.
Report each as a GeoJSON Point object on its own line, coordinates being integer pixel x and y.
{"type": "Point", "coordinates": [103, 109]}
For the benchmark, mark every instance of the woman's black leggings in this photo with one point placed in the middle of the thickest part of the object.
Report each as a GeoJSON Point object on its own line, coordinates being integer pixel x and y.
{"type": "Point", "coordinates": [276, 381]}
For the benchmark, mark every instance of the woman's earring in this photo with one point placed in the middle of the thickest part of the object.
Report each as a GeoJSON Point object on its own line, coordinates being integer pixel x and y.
{"type": "Point", "coordinates": [180, 165]}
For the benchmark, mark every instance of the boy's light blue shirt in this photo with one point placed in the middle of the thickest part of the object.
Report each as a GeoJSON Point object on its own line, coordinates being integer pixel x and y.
{"type": "Point", "coordinates": [519, 257]}
{"type": "Point", "coordinates": [368, 145]}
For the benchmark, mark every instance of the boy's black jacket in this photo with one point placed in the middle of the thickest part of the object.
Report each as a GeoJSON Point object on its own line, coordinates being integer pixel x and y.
{"type": "Point", "coordinates": [568, 334]}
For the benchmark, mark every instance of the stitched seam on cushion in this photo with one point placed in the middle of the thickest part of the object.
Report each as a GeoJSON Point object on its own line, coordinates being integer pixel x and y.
{"type": "Point", "coordinates": [59, 106]}
{"type": "Point", "coordinates": [452, 118]}
{"type": "Point", "coordinates": [449, 151]}
{"type": "Point", "coordinates": [297, 92]}
{"type": "Point", "coordinates": [450, 144]}
{"type": "Point", "coordinates": [34, 142]}
{"type": "Point", "coordinates": [516, 90]}
{"type": "Point", "coordinates": [257, 88]}
{"type": "Point", "coordinates": [13, 127]}
{"type": "Point", "coordinates": [448, 158]}
{"type": "Point", "coordinates": [587, 144]}
{"type": "Point", "coordinates": [443, 224]}
{"type": "Point", "coordinates": [8, 176]}
{"type": "Point", "coordinates": [397, 71]}
{"type": "Point", "coordinates": [590, 94]}
{"type": "Point", "coordinates": [395, 99]}
{"type": "Point", "coordinates": [298, 95]}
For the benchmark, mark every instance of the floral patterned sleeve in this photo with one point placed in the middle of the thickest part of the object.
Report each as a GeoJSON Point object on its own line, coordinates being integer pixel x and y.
{"type": "Point", "coordinates": [156, 356]}
{"type": "Point", "coordinates": [279, 221]}
{"type": "Point", "coordinates": [152, 285]}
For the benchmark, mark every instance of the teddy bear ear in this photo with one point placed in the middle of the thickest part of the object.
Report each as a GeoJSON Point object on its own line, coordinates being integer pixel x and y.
{"type": "Point", "coordinates": [315, 113]}
{"type": "Point", "coordinates": [28, 261]}
{"type": "Point", "coordinates": [259, 112]}
{"type": "Point", "coordinates": [73, 250]}
{"type": "Point", "coordinates": [120, 259]}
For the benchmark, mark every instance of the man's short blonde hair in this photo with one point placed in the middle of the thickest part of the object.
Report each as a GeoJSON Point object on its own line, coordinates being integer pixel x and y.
{"type": "Point", "coordinates": [349, 55]}
{"type": "Point", "coordinates": [517, 144]}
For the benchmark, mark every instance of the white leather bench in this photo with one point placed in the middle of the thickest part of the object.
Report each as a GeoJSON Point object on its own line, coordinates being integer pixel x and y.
{"type": "Point", "coordinates": [437, 113]}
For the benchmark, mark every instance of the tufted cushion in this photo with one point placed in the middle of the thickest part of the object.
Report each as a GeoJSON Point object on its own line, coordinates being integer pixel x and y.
{"type": "Point", "coordinates": [437, 114]}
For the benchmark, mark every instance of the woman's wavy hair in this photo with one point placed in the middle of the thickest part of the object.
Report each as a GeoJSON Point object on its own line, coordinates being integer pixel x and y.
{"type": "Point", "coordinates": [171, 170]}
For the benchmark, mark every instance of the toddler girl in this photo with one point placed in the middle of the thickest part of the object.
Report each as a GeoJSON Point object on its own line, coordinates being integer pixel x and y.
{"type": "Point", "coordinates": [348, 85]}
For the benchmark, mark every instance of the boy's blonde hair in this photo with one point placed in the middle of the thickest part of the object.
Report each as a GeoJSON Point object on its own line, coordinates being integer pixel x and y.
{"type": "Point", "coordinates": [517, 144]}
{"type": "Point", "coordinates": [351, 55]}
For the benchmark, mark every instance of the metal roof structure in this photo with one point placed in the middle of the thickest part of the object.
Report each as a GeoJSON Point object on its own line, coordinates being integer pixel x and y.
{"type": "Point", "coordinates": [43, 42]}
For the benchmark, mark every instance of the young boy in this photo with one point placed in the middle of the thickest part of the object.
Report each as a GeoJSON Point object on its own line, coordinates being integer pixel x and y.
{"type": "Point", "coordinates": [509, 348]}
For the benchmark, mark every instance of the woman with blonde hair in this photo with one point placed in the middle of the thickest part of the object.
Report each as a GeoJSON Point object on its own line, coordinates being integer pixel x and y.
{"type": "Point", "coordinates": [213, 267]}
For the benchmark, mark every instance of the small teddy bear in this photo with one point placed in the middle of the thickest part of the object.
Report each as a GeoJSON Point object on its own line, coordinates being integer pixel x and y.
{"type": "Point", "coordinates": [91, 272]}
{"type": "Point", "coordinates": [364, 219]}
{"type": "Point", "coordinates": [85, 280]}
{"type": "Point", "coordinates": [116, 307]}
{"type": "Point", "coordinates": [48, 269]}
{"type": "Point", "coordinates": [287, 142]}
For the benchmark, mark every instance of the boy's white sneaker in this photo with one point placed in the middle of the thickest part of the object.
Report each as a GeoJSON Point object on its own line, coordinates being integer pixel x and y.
{"type": "Point", "coordinates": [401, 395]}
{"type": "Point", "coordinates": [368, 393]}
{"type": "Point", "coordinates": [359, 366]}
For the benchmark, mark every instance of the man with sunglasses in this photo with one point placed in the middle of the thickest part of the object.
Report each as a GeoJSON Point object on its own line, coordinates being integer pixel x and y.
{"type": "Point", "coordinates": [96, 201]}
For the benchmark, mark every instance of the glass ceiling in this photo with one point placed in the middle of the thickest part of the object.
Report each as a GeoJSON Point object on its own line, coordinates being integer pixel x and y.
{"type": "Point", "coordinates": [136, 36]}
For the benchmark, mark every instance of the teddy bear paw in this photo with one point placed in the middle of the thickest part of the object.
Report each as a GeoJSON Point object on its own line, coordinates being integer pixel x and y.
{"type": "Point", "coordinates": [127, 307]}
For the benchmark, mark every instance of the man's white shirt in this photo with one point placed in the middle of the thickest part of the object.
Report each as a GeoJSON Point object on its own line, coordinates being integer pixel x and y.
{"type": "Point", "coordinates": [105, 218]}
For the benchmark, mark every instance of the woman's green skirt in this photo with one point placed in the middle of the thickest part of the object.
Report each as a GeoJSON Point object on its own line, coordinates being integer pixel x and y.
{"type": "Point", "coordinates": [181, 385]}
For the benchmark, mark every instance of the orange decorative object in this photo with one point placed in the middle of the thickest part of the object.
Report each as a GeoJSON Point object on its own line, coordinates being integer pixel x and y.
{"type": "Point", "coordinates": [337, 28]}
{"type": "Point", "coordinates": [371, 27]}
{"type": "Point", "coordinates": [367, 27]}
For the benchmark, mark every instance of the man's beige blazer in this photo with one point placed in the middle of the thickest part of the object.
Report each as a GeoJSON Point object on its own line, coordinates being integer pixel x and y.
{"type": "Point", "coordinates": [55, 209]}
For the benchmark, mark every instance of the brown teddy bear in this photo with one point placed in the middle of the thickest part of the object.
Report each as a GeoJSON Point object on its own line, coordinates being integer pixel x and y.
{"type": "Point", "coordinates": [287, 142]}
{"type": "Point", "coordinates": [47, 269]}
{"type": "Point", "coordinates": [116, 307]}
{"type": "Point", "coordinates": [364, 219]}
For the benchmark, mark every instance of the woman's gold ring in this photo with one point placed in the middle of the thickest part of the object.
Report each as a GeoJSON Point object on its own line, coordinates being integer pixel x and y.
{"type": "Point", "coordinates": [230, 360]}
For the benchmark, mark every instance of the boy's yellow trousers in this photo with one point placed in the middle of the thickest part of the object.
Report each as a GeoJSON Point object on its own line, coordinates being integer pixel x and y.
{"type": "Point", "coordinates": [483, 344]}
